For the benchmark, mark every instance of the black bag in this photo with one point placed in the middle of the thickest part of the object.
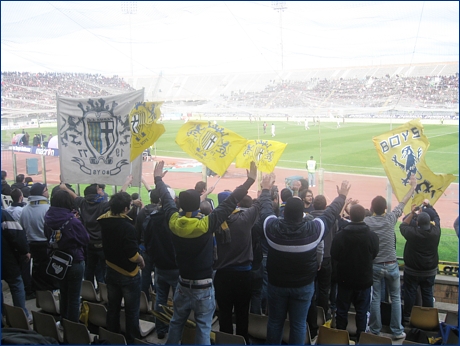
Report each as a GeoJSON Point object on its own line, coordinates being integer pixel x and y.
{"type": "Point", "coordinates": [417, 335]}
{"type": "Point", "coordinates": [59, 261]}
{"type": "Point", "coordinates": [59, 264]}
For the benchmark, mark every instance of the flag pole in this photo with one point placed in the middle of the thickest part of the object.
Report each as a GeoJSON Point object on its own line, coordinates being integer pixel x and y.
{"type": "Point", "coordinates": [218, 180]}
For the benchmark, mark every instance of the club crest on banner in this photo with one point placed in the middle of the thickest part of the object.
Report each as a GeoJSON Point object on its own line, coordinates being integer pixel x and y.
{"type": "Point", "coordinates": [144, 129]}
{"type": "Point", "coordinates": [100, 130]}
{"type": "Point", "coordinates": [210, 144]}
{"type": "Point", "coordinates": [264, 153]}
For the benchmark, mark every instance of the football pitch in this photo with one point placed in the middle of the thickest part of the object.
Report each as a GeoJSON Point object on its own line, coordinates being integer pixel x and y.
{"type": "Point", "coordinates": [348, 149]}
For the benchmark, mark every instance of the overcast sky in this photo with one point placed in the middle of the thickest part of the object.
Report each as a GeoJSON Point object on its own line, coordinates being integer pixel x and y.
{"type": "Point", "coordinates": [219, 36]}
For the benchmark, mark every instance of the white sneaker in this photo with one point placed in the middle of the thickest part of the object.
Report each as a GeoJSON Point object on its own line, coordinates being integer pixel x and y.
{"type": "Point", "coordinates": [60, 327]}
{"type": "Point", "coordinates": [400, 336]}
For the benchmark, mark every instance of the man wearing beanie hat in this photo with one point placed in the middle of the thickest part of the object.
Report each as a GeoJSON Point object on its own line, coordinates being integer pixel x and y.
{"type": "Point", "coordinates": [192, 235]}
{"type": "Point", "coordinates": [291, 261]}
{"type": "Point", "coordinates": [232, 280]}
{"type": "Point", "coordinates": [354, 249]}
{"type": "Point", "coordinates": [32, 220]}
{"type": "Point", "coordinates": [90, 207]}
{"type": "Point", "coordinates": [420, 258]}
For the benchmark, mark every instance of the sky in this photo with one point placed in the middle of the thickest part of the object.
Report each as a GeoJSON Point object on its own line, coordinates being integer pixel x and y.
{"type": "Point", "coordinates": [223, 36]}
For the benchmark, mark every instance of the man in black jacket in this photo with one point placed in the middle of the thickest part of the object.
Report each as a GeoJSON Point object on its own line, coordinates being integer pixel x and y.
{"type": "Point", "coordinates": [19, 184]}
{"type": "Point", "coordinates": [15, 250]}
{"type": "Point", "coordinates": [354, 249]}
{"type": "Point", "coordinates": [6, 188]}
{"type": "Point", "coordinates": [291, 261]}
{"type": "Point", "coordinates": [420, 258]}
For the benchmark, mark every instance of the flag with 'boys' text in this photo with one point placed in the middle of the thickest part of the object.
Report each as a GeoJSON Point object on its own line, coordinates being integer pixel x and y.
{"type": "Point", "coordinates": [402, 153]}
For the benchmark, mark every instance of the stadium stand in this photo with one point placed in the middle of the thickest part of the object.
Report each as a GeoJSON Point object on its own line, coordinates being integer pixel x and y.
{"type": "Point", "coordinates": [426, 90]}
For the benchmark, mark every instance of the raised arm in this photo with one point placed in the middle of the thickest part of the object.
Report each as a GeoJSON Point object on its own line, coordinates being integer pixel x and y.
{"type": "Point", "coordinates": [129, 180]}
{"type": "Point", "coordinates": [205, 194]}
{"type": "Point", "coordinates": [146, 185]}
{"type": "Point", "coordinates": [413, 185]}
{"type": "Point", "coordinates": [63, 186]}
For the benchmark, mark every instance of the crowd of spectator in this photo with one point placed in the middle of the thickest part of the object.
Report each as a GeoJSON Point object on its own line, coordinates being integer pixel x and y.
{"type": "Point", "coordinates": [284, 253]}
{"type": "Point", "coordinates": [425, 92]}
{"type": "Point", "coordinates": [37, 91]}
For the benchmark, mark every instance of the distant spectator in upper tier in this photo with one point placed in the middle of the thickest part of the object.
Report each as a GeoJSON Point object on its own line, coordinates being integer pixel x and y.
{"type": "Point", "coordinates": [20, 184]}
{"type": "Point", "coordinates": [6, 188]}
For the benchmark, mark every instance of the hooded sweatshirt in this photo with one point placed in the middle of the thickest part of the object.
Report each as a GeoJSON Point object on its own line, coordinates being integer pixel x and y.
{"type": "Point", "coordinates": [74, 236]}
{"type": "Point", "coordinates": [90, 209]}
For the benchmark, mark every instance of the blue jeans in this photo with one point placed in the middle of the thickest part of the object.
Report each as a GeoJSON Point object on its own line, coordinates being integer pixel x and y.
{"type": "Point", "coordinates": [202, 302]}
{"type": "Point", "coordinates": [95, 264]}
{"type": "Point", "coordinates": [70, 289]}
{"type": "Point", "coordinates": [121, 286]}
{"type": "Point", "coordinates": [361, 300]}
{"type": "Point", "coordinates": [164, 279]}
{"type": "Point", "coordinates": [17, 292]}
{"type": "Point", "coordinates": [393, 284]}
{"type": "Point", "coordinates": [411, 284]}
{"type": "Point", "coordinates": [282, 300]}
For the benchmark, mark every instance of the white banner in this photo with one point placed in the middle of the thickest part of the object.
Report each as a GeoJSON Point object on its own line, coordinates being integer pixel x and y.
{"type": "Point", "coordinates": [95, 138]}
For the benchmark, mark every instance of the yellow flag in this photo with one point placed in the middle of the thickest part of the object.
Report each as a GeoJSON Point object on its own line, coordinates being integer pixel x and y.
{"type": "Point", "coordinates": [210, 144]}
{"type": "Point", "coordinates": [144, 128]}
{"type": "Point", "coordinates": [402, 153]}
{"type": "Point", "coordinates": [264, 153]}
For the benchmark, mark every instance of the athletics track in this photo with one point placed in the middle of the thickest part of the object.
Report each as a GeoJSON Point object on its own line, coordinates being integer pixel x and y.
{"type": "Point", "coordinates": [363, 187]}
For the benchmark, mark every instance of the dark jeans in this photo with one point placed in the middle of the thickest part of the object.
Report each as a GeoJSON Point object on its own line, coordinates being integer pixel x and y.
{"type": "Point", "coordinates": [70, 290]}
{"type": "Point", "coordinates": [411, 283]}
{"type": "Point", "coordinates": [295, 301]}
{"type": "Point", "coordinates": [256, 290]}
{"type": "Point", "coordinates": [26, 277]}
{"type": "Point", "coordinates": [233, 292]}
{"type": "Point", "coordinates": [17, 292]}
{"type": "Point", "coordinates": [120, 286]}
{"type": "Point", "coordinates": [264, 301]}
{"type": "Point", "coordinates": [323, 286]}
{"type": "Point", "coordinates": [40, 280]}
{"type": "Point", "coordinates": [95, 264]}
{"type": "Point", "coordinates": [312, 316]}
{"type": "Point", "coordinates": [361, 300]}
{"type": "Point", "coordinates": [146, 275]}
{"type": "Point", "coordinates": [164, 280]}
